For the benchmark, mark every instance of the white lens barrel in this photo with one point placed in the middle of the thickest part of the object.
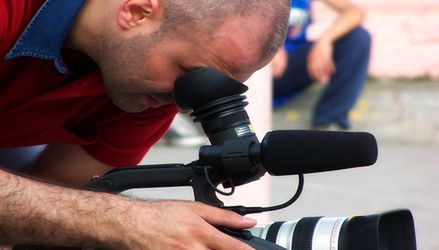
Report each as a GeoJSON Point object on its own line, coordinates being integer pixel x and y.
{"type": "Point", "coordinates": [327, 233]}
{"type": "Point", "coordinates": [389, 230]}
{"type": "Point", "coordinates": [285, 235]}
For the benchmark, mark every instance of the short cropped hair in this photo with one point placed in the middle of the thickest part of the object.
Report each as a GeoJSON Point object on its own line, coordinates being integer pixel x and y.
{"type": "Point", "coordinates": [208, 15]}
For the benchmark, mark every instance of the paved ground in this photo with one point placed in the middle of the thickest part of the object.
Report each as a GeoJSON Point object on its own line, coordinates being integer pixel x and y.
{"type": "Point", "coordinates": [401, 112]}
{"type": "Point", "coordinates": [404, 118]}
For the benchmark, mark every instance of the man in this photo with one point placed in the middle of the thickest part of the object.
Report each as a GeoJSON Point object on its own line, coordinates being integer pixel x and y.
{"type": "Point", "coordinates": [93, 80]}
{"type": "Point", "coordinates": [338, 59]}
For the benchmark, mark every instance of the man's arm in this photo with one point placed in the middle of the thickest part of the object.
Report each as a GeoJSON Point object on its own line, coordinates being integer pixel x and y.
{"type": "Point", "coordinates": [67, 164]}
{"type": "Point", "coordinates": [37, 213]}
{"type": "Point", "coordinates": [320, 63]}
{"type": "Point", "coordinates": [42, 214]}
{"type": "Point", "coordinates": [350, 17]}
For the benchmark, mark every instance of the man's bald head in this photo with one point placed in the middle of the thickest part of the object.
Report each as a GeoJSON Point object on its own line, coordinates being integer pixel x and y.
{"type": "Point", "coordinates": [143, 46]}
{"type": "Point", "coordinates": [206, 16]}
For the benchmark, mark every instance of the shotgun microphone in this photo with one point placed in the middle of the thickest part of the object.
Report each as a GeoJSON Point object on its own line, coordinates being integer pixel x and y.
{"type": "Point", "coordinates": [289, 152]}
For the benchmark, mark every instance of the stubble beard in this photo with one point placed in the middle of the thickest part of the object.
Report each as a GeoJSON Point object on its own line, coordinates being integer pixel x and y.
{"type": "Point", "coordinates": [121, 63]}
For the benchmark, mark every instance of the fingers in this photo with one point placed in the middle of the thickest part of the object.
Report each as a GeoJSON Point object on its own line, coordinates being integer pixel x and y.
{"type": "Point", "coordinates": [320, 63]}
{"type": "Point", "coordinates": [328, 67]}
{"type": "Point", "coordinates": [314, 69]}
{"type": "Point", "coordinates": [219, 240]}
{"type": "Point", "coordinates": [211, 236]}
{"type": "Point", "coordinates": [279, 63]}
{"type": "Point", "coordinates": [221, 217]}
{"type": "Point", "coordinates": [321, 69]}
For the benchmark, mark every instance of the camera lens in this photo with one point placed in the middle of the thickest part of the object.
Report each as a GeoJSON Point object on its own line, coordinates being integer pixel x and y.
{"type": "Point", "coordinates": [392, 230]}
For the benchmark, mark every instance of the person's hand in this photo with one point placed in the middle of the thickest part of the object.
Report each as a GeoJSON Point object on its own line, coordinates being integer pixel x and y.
{"type": "Point", "coordinates": [50, 215]}
{"type": "Point", "coordinates": [279, 63]}
{"type": "Point", "coordinates": [178, 225]}
{"type": "Point", "coordinates": [320, 62]}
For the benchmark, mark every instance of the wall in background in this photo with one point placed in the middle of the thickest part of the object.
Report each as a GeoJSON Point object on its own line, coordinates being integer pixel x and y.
{"type": "Point", "coordinates": [405, 36]}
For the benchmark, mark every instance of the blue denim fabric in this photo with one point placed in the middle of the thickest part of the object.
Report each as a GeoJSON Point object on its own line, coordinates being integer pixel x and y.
{"type": "Point", "coordinates": [351, 57]}
{"type": "Point", "coordinates": [300, 19]}
{"type": "Point", "coordinates": [46, 32]}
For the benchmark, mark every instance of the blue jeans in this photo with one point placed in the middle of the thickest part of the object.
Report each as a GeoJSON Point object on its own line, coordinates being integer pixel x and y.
{"type": "Point", "coordinates": [351, 57]}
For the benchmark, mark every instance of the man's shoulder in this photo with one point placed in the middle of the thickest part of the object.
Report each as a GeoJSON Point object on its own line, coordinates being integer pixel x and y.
{"type": "Point", "coordinates": [14, 17]}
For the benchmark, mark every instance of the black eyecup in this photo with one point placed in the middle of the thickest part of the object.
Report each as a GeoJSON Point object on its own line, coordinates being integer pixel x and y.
{"type": "Point", "coordinates": [204, 85]}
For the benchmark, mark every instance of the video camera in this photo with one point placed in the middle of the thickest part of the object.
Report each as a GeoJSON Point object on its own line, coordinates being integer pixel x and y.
{"type": "Point", "coordinates": [236, 157]}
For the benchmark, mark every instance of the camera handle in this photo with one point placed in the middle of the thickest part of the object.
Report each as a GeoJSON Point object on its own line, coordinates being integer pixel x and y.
{"type": "Point", "coordinates": [155, 176]}
{"type": "Point", "coordinates": [173, 175]}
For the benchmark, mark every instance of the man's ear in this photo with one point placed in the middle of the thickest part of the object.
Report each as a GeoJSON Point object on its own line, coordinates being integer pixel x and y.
{"type": "Point", "coordinates": [134, 12]}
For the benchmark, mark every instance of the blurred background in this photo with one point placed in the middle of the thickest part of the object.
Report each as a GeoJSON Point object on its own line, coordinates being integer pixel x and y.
{"type": "Point", "coordinates": [399, 105]}
{"type": "Point", "coordinates": [404, 34]}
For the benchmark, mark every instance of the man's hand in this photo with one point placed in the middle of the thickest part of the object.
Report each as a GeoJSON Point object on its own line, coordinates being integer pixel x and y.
{"type": "Point", "coordinates": [178, 225]}
{"type": "Point", "coordinates": [320, 62]}
{"type": "Point", "coordinates": [279, 63]}
{"type": "Point", "coordinates": [34, 213]}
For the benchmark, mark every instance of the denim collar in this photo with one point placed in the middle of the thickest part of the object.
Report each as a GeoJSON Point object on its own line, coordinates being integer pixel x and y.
{"type": "Point", "coordinates": [46, 32]}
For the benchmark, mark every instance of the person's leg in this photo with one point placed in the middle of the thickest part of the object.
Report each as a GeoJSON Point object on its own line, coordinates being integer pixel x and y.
{"type": "Point", "coordinates": [295, 79]}
{"type": "Point", "coordinates": [351, 56]}
{"type": "Point", "coordinates": [19, 159]}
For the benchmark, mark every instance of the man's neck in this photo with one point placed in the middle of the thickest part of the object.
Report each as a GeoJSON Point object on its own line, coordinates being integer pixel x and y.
{"type": "Point", "coordinates": [84, 33]}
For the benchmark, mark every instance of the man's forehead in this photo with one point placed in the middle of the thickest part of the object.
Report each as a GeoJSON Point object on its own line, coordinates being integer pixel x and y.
{"type": "Point", "coordinates": [238, 49]}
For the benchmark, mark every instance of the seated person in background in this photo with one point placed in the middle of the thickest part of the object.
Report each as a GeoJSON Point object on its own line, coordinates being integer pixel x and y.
{"type": "Point", "coordinates": [338, 59]}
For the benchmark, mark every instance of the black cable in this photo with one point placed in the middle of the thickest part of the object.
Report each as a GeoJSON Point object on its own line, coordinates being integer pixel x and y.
{"type": "Point", "coordinates": [229, 180]}
{"type": "Point", "coordinates": [252, 210]}
{"type": "Point", "coordinates": [292, 200]}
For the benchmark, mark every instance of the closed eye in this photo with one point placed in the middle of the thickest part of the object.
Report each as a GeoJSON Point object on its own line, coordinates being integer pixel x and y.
{"type": "Point", "coordinates": [186, 70]}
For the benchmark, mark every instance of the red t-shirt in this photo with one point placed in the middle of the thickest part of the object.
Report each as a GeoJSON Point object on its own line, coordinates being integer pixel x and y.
{"type": "Point", "coordinates": [40, 106]}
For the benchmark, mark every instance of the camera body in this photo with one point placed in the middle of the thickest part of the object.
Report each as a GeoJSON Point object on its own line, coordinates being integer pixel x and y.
{"type": "Point", "coordinates": [236, 157]}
